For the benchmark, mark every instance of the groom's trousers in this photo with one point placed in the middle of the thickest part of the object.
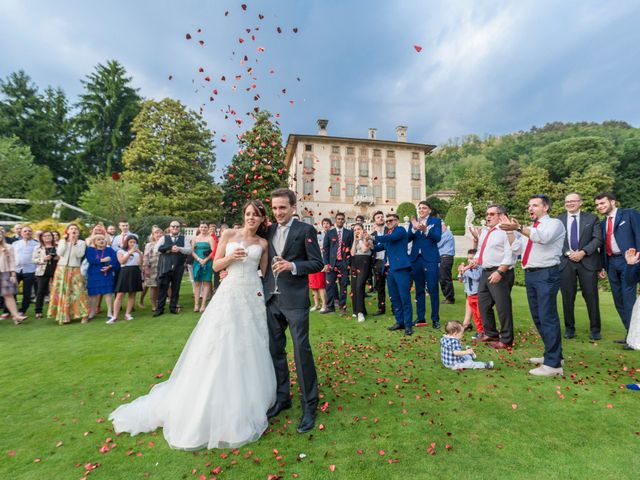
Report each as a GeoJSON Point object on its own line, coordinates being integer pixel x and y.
{"type": "Point", "coordinates": [279, 317]}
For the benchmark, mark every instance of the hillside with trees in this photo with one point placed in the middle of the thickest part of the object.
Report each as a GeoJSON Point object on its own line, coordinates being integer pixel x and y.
{"type": "Point", "coordinates": [556, 159]}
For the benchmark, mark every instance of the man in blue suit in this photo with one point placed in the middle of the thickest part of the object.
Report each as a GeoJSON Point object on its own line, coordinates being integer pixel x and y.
{"type": "Point", "coordinates": [395, 244]}
{"type": "Point", "coordinates": [621, 231]}
{"type": "Point", "coordinates": [336, 255]}
{"type": "Point", "coordinates": [425, 233]}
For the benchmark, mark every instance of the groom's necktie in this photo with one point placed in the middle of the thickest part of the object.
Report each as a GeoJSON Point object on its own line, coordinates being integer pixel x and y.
{"type": "Point", "coordinates": [281, 237]}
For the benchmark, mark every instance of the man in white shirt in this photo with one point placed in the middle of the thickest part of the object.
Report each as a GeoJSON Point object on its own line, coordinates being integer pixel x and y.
{"type": "Point", "coordinates": [496, 258]}
{"type": "Point", "coordinates": [541, 249]}
{"type": "Point", "coordinates": [117, 242]}
{"type": "Point", "coordinates": [25, 266]}
{"type": "Point", "coordinates": [379, 279]}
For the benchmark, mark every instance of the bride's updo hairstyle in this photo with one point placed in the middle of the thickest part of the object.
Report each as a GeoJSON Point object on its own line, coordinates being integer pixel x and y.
{"type": "Point", "coordinates": [258, 206]}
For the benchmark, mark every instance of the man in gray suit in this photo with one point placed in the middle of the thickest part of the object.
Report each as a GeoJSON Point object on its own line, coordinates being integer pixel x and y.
{"type": "Point", "coordinates": [296, 244]}
{"type": "Point", "coordinates": [580, 262]}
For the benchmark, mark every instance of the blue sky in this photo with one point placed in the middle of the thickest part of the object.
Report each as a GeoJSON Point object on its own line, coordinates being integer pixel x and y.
{"type": "Point", "coordinates": [486, 67]}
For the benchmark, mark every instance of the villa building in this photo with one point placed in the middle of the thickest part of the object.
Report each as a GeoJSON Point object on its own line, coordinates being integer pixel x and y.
{"type": "Point", "coordinates": [356, 176]}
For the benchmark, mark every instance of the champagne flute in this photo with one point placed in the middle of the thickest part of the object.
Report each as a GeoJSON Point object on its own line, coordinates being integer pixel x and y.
{"type": "Point", "coordinates": [243, 245]}
{"type": "Point", "coordinates": [275, 260]}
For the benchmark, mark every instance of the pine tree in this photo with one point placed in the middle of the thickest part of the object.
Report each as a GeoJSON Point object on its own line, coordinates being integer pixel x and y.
{"type": "Point", "coordinates": [257, 168]}
{"type": "Point", "coordinates": [107, 109]}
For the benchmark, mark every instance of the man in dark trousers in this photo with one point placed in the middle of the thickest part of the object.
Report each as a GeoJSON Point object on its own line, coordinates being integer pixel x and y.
{"type": "Point", "coordinates": [173, 255]}
{"type": "Point", "coordinates": [620, 232]}
{"type": "Point", "coordinates": [581, 261]}
{"type": "Point", "coordinates": [379, 279]}
{"type": "Point", "coordinates": [425, 232]}
{"type": "Point", "coordinates": [395, 246]}
{"type": "Point", "coordinates": [296, 245]}
{"type": "Point", "coordinates": [336, 255]}
{"type": "Point", "coordinates": [496, 258]}
{"type": "Point", "coordinates": [541, 248]}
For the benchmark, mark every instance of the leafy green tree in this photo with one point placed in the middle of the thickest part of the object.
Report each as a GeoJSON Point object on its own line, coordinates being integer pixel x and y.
{"type": "Point", "coordinates": [439, 205]}
{"type": "Point", "coordinates": [111, 199]}
{"type": "Point", "coordinates": [479, 188]}
{"type": "Point", "coordinates": [627, 182]}
{"type": "Point", "coordinates": [257, 168]}
{"type": "Point", "coordinates": [455, 219]}
{"type": "Point", "coordinates": [41, 122]}
{"type": "Point", "coordinates": [107, 109]}
{"type": "Point", "coordinates": [574, 155]}
{"type": "Point", "coordinates": [406, 209]}
{"type": "Point", "coordinates": [22, 178]}
{"type": "Point", "coordinates": [172, 161]}
{"type": "Point", "coordinates": [534, 180]}
{"type": "Point", "coordinates": [595, 179]}
{"type": "Point", "coordinates": [42, 188]}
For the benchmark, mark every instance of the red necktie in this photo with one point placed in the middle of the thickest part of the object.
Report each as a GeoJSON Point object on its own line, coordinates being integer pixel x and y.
{"type": "Point", "coordinates": [339, 255]}
{"type": "Point", "coordinates": [484, 245]}
{"type": "Point", "coordinates": [527, 251]}
{"type": "Point", "coordinates": [608, 246]}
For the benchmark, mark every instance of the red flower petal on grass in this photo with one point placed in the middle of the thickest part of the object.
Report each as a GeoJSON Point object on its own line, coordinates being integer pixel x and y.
{"type": "Point", "coordinates": [332, 468]}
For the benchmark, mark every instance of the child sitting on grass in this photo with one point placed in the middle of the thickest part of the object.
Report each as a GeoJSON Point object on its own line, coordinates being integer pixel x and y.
{"type": "Point", "coordinates": [453, 356]}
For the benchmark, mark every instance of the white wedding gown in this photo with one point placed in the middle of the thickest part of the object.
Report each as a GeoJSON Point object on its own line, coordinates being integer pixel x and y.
{"type": "Point", "coordinates": [633, 337]}
{"type": "Point", "coordinates": [224, 382]}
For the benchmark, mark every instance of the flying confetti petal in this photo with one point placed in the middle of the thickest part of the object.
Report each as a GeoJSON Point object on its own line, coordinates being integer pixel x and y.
{"type": "Point", "coordinates": [418, 48]}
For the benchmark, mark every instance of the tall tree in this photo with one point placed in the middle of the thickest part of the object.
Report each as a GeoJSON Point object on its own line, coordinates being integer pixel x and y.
{"type": "Point", "coordinates": [107, 109]}
{"type": "Point", "coordinates": [257, 168]}
{"type": "Point", "coordinates": [172, 160]}
{"type": "Point", "coordinates": [41, 122]}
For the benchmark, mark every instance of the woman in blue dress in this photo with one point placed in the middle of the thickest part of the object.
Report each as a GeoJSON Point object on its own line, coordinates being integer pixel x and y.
{"type": "Point", "coordinates": [100, 274]}
{"type": "Point", "coordinates": [203, 248]}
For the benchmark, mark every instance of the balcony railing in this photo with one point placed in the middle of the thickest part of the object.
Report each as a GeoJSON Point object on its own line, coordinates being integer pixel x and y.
{"type": "Point", "coordinates": [364, 200]}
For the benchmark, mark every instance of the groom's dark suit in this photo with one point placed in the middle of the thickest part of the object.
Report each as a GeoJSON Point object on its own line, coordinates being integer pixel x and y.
{"type": "Point", "coordinates": [291, 309]}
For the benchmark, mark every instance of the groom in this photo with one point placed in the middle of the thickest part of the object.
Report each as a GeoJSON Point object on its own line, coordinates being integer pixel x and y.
{"type": "Point", "coordinates": [296, 242]}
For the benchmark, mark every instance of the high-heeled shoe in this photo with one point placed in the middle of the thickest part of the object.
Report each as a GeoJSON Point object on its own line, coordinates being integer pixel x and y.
{"type": "Point", "coordinates": [18, 319]}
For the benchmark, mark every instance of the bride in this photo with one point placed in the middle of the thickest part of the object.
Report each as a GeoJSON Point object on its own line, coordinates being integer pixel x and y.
{"type": "Point", "coordinates": [224, 382]}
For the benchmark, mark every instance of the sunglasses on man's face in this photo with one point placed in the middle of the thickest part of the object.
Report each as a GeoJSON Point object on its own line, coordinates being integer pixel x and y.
{"type": "Point", "coordinates": [391, 220]}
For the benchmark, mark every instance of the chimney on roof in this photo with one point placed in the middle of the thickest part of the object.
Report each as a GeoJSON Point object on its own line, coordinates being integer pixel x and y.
{"type": "Point", "coordinates": [322, 126]}
{"type": "Point", "coordinates": [373, 134]}
{"type": "Point", "coordinates": [401, 133]}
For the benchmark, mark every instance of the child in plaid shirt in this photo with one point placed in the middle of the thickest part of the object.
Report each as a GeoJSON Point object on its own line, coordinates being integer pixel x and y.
{"type": "Point", "coordinates": [453, 356]}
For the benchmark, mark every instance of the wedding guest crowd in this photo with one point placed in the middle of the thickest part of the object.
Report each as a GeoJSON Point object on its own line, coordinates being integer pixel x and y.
{"type": "Point", "coordinates": [557, 255]}
{"type": "Point", "coordinates": [78, 276]}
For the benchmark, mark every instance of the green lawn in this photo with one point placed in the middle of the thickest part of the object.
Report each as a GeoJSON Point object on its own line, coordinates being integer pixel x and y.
{"type": "Point", "coordinates": [389, 400]}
